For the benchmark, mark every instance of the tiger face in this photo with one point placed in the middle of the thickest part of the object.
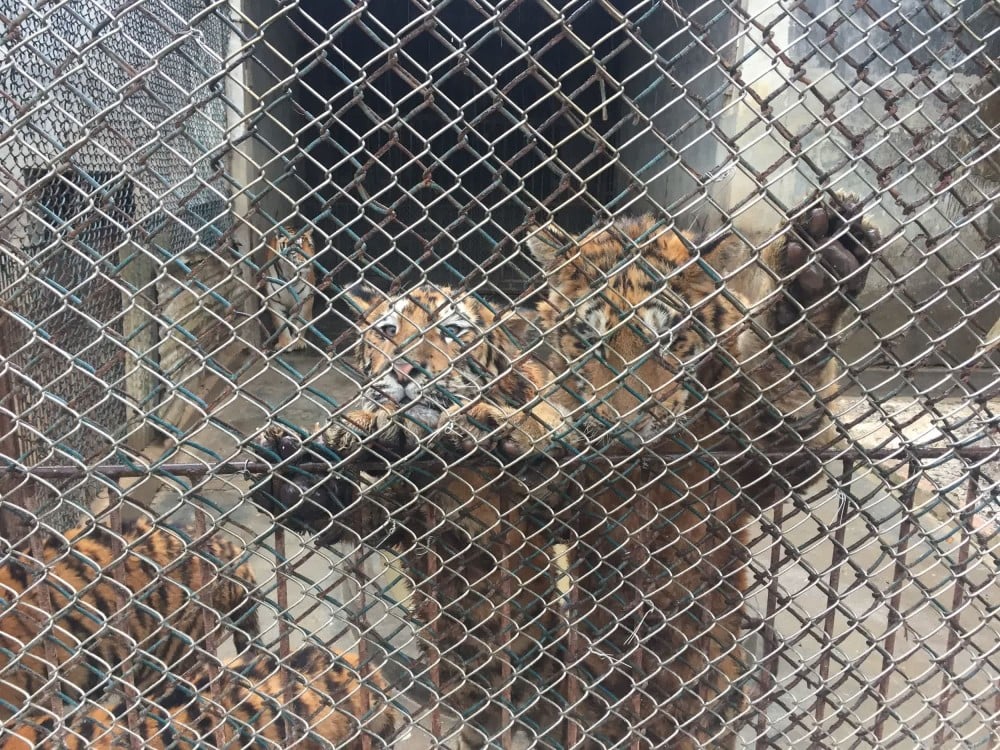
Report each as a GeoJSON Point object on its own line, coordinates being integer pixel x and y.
{"type": "Point", "coordinates": [622, 313]}
{"type": "Point", "coordinates": [427, 350]}
{"type": "Point", "coordinates": [442, 357]}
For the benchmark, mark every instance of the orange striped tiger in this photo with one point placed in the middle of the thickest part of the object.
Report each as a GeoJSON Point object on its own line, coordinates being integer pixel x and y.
{"type": "Point", "coordinates": [663, 364]}
{"type": "Point", "coordinates": [312, 700]}
{"type": "Point", "coordinates": [438, 359]}
{"type": "Point", "coordinates": [289, 284]}
{"type": "Point", "coordinates": [166, 583]}
{"type": "Point", "coordinates": [650, 357]}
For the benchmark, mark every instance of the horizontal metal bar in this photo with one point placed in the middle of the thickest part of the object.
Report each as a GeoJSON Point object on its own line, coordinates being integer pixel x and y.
{"type": "Point", "coordinates": [117, 471]}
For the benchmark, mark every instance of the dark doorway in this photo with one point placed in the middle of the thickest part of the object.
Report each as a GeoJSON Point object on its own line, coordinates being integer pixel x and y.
{"type": "Point", "coordinates": [428, 139]}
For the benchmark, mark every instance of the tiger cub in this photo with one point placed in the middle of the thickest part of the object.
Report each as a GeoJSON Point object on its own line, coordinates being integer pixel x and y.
{"type": "Point", "coordinates": [664, 362]}
{"type": "Point", "coordinates": [444, 367]}
{"type": "Point", "coordinates": [166, 585]}
{"type": "Point", "coordinates": [314, 699]}
{"type": "Point", "coordinates": [679, 363]}
{"type": "Point", "coordinates": [289, 284]}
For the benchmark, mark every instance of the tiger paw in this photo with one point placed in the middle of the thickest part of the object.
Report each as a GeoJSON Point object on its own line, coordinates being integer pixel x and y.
{"type": "Point", "coordinates": [384, 433]}
{"type": "Point", "coordinates": [301, 494]}
{"type": "Point", "coordinates": [825, 262]}
{"type": "Point", "coordinates": [482, 426]}
{"type": "Point", "coordinates": [346, 436]}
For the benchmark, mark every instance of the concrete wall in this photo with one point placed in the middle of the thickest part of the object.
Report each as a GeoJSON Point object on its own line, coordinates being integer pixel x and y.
{"type": "Point", "coordinates": [921, 138]}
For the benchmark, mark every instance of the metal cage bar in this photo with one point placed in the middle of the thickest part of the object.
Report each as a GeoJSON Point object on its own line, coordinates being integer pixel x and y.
{"type": "Point", "coordinates": [726, 275]}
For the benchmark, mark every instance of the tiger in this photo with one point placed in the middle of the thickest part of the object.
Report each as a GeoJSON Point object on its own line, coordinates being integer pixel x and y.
{"type": "Point", "coordinates": [669, 352]}
{"type": "Point", "coordinates": [313, 699]}
{"type": "Point", "coordinates": [665, 351]}
{"type": "Point", "coordinates": [166, 584]}
{"type": "Point", "coordinates": [289, 284]}
{"type": "Point", "coordinates": [444, 367]}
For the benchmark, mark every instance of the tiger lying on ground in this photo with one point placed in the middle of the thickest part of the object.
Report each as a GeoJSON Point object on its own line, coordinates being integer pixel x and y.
{"type": "Point", "coordinates": [314, 701]}
{"type": "Point", "coordinates": [650, 357]}
{"type": "Point", "coordinates": [289, 281]}
{"type": "Point", "coordinates": [432, 356]}
{"type": "Point", "coordinates": [660, 367]}
{"type": "Point", "coordinates": [165, 617]}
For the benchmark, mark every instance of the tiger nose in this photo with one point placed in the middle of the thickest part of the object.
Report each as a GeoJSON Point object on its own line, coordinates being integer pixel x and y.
{"type": "Point", "coordinates": [403, 371]}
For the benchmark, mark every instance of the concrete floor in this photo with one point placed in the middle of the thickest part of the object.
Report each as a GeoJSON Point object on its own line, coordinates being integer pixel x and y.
{"type": "Point", "coordinates": [937, 641]}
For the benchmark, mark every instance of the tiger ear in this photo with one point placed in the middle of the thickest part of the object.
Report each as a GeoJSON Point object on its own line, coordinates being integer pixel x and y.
{"type": "Point", "coordinates": [362, 296]}
{"type": "Point", "coordinates": [549, 245]}
{"type": "Point", "coordinates": [307, 237]}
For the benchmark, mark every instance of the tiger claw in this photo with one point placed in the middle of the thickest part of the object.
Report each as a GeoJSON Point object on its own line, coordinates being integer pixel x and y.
{"type": "Point", "coordinates": [818, 224]}
{"type": "Point", "coordinates": [384, 435]}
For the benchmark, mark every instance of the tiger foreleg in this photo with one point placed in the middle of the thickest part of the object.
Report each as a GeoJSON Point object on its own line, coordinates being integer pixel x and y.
{"type": "Point", "coordinates": [822, 264]}
{"type": "Point", "coordinates": [789, 359]}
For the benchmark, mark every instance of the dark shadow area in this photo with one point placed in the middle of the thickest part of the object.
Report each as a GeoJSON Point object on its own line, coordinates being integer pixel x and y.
{"type": "Point", "coordinates": [427, 142]}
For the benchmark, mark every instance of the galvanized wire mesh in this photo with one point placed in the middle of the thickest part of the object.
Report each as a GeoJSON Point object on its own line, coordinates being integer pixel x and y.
{"type": "Point", "coordinates": [685, 556]}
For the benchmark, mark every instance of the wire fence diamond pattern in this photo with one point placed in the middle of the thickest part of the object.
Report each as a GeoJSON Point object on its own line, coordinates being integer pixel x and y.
{"type": "Point", "coordinates": [499, 374]}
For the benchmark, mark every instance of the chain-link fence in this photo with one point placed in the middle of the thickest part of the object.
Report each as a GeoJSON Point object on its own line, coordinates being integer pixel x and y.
{"type": "Point", "coordinates": [499, 374]}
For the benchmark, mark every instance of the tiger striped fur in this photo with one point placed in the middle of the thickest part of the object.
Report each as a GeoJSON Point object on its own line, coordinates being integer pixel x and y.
{"type": "Point", "coordinates": [165, 584]}
{"type": "Point", "coordinates": [444, 363]}
{"type": "Point", "coordinates": [312, 700]}
{"type": "Point", "coordinates": [289, 285]}
{"type": "Point", "coordinates": [673, 355]}
{"type": "Point", "coordinates": [660, 366]}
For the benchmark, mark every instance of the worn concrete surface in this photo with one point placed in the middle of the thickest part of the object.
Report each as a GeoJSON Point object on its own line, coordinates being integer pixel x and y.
{"type": "Point", "coordinates": [932, 629]}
